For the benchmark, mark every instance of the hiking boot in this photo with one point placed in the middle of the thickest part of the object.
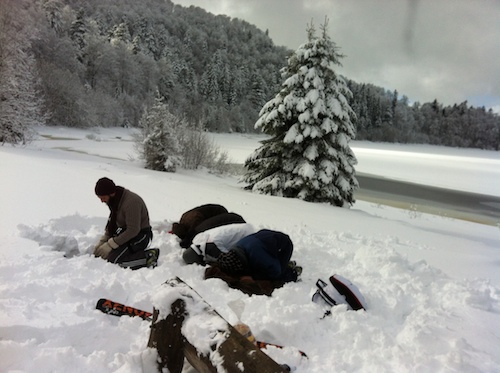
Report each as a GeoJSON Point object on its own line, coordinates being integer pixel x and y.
{"type": "Point", "coordinates": [152, 257]}
{"type": "Point", "coordinates": [292, 264]}
{"type": "Point", "coordinates": [298, 270]}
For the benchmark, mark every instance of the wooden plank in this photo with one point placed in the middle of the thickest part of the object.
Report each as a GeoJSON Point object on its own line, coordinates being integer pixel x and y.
{"type": "Point", "coordinates": [167, 338]}
{"type": "Point", "coordinates": [235, 354]}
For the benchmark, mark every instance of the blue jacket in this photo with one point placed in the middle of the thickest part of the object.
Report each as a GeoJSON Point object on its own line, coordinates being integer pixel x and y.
{"type": "Point", "coordinates": [268, 253]}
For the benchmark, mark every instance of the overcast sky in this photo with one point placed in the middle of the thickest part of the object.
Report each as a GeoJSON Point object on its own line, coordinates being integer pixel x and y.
{"type": "Point", "coordinates": [447, 50]}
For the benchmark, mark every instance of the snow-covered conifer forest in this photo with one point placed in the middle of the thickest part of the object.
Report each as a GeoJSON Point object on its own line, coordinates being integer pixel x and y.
{"type": "Point", "coordinates": [102, 62]}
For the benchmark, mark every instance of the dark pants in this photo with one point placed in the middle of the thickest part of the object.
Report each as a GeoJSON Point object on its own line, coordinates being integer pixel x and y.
{"type": "Point", "coordinates": [212, 252]}
{"type": "Point", "coordinates": [132, 254]}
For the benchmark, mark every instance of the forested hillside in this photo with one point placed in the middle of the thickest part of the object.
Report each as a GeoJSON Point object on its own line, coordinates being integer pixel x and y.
{"type": "Point", "coordinates": [118, 54]}
{"type": "Point", "coordinates": [384, 116]}
{"type": "Point", "coordinates": [102, 62]}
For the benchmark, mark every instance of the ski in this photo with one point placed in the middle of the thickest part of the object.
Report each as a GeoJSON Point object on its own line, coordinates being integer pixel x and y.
{"type": "Point", "coordinates": [118, 309]}
{"type": "Point", "coordinates": [264, 345]}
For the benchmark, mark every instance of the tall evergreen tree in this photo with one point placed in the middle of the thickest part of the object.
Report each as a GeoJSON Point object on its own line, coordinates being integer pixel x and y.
{"type": "Point", "coordinates": [309, 121]}
{"type": "Point", "coordinates": [78, 30]}
{"type": "Point", "coordinates": [53, 9]}
{"type": "Point", "coordinates": [158, 143]}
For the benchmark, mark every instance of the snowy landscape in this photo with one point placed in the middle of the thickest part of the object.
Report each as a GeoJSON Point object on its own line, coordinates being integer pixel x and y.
{"type": "Point", "coordinates": [432, 283]}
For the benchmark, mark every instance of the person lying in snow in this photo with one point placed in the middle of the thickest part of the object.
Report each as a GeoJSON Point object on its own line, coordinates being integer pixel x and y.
{"type": "Point", "coordinates": [213, 222]}
{"type": "Point", "coordinates": [258, 263]}
{"type": "Point", "coordinates": [190, 219]}
{"type": "Point", "coordinates": [209, 244]}
{"type": "Point", "coordinates": [127, 233]}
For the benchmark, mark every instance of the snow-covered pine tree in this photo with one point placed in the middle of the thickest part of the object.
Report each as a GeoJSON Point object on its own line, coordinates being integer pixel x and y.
{"type": "Point", "coordinates": [158, 143]}
{"type": "Point", "coordinates": [309, 122]}
{"type": "Point", "coordinates": [78, 30]}
{"type": "Point", "coordinates": [20, 102]}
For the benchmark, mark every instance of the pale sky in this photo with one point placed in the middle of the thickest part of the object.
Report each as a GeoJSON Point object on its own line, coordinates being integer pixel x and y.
{"type": "Point", "coordinates": [447, 50]}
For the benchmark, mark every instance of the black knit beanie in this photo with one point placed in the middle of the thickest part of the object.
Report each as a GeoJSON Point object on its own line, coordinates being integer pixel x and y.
{"type": "Point", "coordinates": [232, 262]}
{"type": "Point", "coordinates": [105, 187]}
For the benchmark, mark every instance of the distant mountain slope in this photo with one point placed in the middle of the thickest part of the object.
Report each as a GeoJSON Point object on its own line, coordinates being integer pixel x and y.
{"type": "Point", "coordinates": [102, 62]}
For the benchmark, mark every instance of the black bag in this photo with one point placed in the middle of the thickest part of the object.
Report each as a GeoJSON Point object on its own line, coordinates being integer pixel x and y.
{"type": "Point", "coordinates": [339, 290]}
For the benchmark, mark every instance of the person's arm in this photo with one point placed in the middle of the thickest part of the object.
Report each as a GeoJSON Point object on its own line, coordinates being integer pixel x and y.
{"type": "Point", "coordinates": [132, 211]}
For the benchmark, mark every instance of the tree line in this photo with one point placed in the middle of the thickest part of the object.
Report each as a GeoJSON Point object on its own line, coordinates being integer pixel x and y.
{"type": "Point", "coordinates": [104, 62]}
{"type": "Point", "coordinates": [384, 116]}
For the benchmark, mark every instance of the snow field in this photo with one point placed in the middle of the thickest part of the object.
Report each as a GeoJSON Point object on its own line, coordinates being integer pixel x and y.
{"type": "Point", "coordinates": [431, 283]}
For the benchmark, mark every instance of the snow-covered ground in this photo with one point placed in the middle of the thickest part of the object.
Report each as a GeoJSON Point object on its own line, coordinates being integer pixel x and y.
{"type": "Point", "coordinates": [432, 284]}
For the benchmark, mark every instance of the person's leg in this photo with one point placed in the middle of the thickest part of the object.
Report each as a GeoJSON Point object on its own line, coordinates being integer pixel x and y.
{"type": "Point", "coordinates": [132, 254]}
{"type": "Point", "coordinates": [125, 257]}
{"type": "Point", "coordinates": [190, 256]}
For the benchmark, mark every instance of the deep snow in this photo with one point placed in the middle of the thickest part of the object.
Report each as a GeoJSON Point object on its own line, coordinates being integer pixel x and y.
{"type": "Point", "coordinates": [431, 283]}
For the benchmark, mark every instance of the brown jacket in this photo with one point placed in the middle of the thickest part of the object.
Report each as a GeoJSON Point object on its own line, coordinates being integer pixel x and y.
{"type": "Point", "coordinates": [132, 216]}
{"type": "Point", "coordinates": [190, 219]}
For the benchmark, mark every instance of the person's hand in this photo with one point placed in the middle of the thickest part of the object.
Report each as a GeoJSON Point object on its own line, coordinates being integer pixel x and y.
{"type": "Point", "coordinates": [103, 251]}
{"type": "Point", "coordinates": [103, 239]}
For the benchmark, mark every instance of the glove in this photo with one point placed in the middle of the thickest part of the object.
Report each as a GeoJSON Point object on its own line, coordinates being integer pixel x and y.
{"type": "Point", "coordinates": [103, 251]}
{"type": "Point", "coordinates": [112, 243]}
{"type": "Point", "coordinates": [103, 239]}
